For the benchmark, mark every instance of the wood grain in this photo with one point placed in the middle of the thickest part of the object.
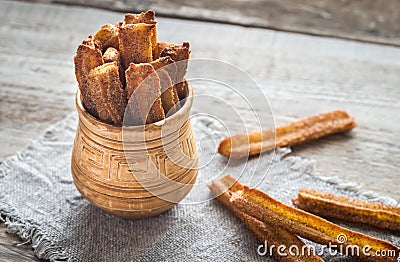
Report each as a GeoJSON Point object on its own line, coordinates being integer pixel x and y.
{"type": "Point", "coordinates": [366, 20]}
{"type": "Point", "coordinates": [9, 251]}
{"type": "Point", "coordinates": [301, 75]}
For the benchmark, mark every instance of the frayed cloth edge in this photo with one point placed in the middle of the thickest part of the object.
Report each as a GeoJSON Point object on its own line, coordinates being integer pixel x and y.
{"type": "Point", "coordinates": [43, 247]}
{"type": "Point", "coordinates": [30, 233]}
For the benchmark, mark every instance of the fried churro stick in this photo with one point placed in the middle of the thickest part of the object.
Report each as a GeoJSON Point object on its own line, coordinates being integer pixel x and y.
{"type": "Point", "coordinates": [113, 55]}
{"type": "Point", "coordinates": [304, 130]}
{"type": "Point", "coordinates": [180, 54]}
{"type": "Point", "coordinates": [143, 90]}
{"type": "Point", "coordinates": [107, 36]}
{"type": "Point", "coordinates": [169, 65]}
{"type": "Point", "coordinates": [162, 62]}
{"type": "Point", "coordinates": [148, 17]}
{"type": "Point", "coordinates": [160, 46]}
{"type": "Point", "coordinates": [266, 209]}
{"type": "Point", "coordinates": [264, 232]}
{"type": "Point", "coordinates": [169, 96]}
{"type": "Point", "coordinates": [88, 56]}
{"type": "Point", "coordinates": [333, 206]}
{"type": "Point", "coordinates": [135, 43]}
{"type": "Point", "coordinates": [109, 96]}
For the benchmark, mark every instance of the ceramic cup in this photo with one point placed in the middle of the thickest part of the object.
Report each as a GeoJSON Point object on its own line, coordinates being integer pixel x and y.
{"type": "Point", "coordinates": [135, 171]}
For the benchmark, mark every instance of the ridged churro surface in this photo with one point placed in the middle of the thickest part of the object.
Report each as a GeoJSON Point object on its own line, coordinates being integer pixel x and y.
{"type": "Point", "coordinates": [272, 234]}
{"type": "Point", "coordinates": [339, 207]}
{"type": "Point", "coordinates": [131, 46]}
{"type": "Point", "coordinates": [302, 131]}
{"type": "Point", "coordinates": [143, 91]}
{"type": "Point", "coordinates": [264, 208]}
{"type": "Point", "coordinates": [88, 56]}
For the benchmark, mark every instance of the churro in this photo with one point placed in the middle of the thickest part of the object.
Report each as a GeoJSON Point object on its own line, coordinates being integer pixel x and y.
{"type": "Point", "coordinates": [109, 96]}
{"type": "Point", "coordinates": [143, 91]}
{"type": "Point", "coordinates": [148, 17]}
{"type": "Point", "coordinates": [106, 37]}
{"type": "Point", "coordinates": [88, 56]}
{"type": "Point", "coordinates": [135, 43]}
{"type": "Point", "coordinates": [113, 55]}
{"type": "Point", "coordinates": [169, 96]}
{"type": "Point", "coordinates": [302, 131]}
{"type": "Point", "coordinates": [264, 232]}
{"type": "Point", "coordinates": [353, 210]}
{"type": "Point", "coordinates": [160, 46]}
{"type": "Point", "coordinates": [132, 47]}
{"type": "Point", "coordinates": [266, 209]}
{"type": "Point", "coordinates": [180, 54]}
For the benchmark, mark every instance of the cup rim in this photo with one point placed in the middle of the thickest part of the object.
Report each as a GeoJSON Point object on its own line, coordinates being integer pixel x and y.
{"type": "Point", "coordinates": [185, 108]}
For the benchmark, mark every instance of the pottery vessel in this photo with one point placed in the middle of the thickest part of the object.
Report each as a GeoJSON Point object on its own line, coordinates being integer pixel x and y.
{"type": "Point", "coordinates": [135, 171]}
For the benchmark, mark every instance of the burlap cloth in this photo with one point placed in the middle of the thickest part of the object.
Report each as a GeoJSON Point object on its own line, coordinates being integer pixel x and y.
{"type": "Point", "coordinates": [39, 202]}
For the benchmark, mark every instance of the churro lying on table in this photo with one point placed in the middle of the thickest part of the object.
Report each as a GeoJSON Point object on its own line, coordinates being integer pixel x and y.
{"type": "Point", "coordinates": [353, 210]}
{"type": "Point", "coordinates": [262, 231]}
{"type": "Point", "coordinates": [264, 208]}
{"type": "Point", "coordinates": [304, 130]}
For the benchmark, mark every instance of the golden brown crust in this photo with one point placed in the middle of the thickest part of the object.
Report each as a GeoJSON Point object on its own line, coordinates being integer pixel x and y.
{"type": "Point", "coordinates": [135, 43]}
{"type": "Point", "coordinates": [89, 42]}
{"type": "Point", "coordinates": [87, 57]}
{"type": "Point", "coordinates": [95, 83]}
{"type": "Point", "coordinates": [113, 55]}
{"type": "Point", "coordinates": [160, 46]}
{"type": "Point", "coordinates": [302, 131]}
{"type": "Point", "coordinates": [107, 36]}
{"type": "Point", "coordinates": [177, 52]}
{"type": "Point", "coordinates": [148, 17]}
{"type": "Point", "coordinates": [143, 91]}
{"type": "Point", "coordinates": [266, 209]}
{"type": "Point", "coordinates": [162, 62]}
{"type": "Point", "coordinates": [339, 207]}
{"type": "Point", "coordinates": [169, 99]}
{"type": "Point", "coordinates": [180, 54]}
{"type": "Point", "coordinates": [180, 89]}
{"type": "Point", "coordinates": [169, 96]}
{"type": "Point", "coordinates": [351, 201]}
{"type": "Point", "coordinates": [264, 232]}
{"type": "Point", "coordinates": [108, 94]}
{"type": "Point", "coordinates": [130, 42]}
{"type": "Point", "coordinates": [169, 65]}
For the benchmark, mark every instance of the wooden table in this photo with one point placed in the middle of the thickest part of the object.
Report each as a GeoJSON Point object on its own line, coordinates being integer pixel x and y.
{"type": "Point", "coordinates": [301, 75]}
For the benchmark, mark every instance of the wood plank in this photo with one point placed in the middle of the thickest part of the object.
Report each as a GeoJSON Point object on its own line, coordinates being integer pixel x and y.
{"type": "Point", "coordinates": [10, 251]}
{"type": "Point", "coordinates": [366, 20]}
{"type": "Point", "coordinates": [301, 75]}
